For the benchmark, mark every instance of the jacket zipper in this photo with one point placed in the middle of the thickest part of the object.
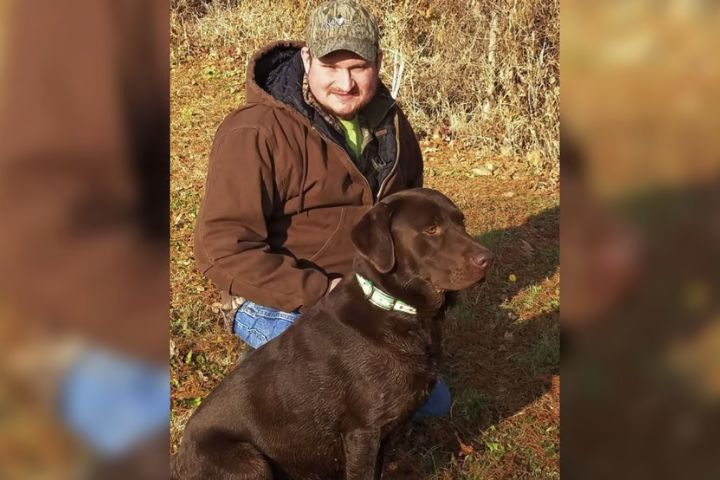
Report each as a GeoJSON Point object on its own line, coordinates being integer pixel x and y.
{"type": "Point", "coordinates": [347, 155]}
{"type": "Point", "coordinates": [397, 157]}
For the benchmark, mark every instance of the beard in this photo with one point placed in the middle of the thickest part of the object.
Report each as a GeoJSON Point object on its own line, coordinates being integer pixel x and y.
{"type": "Point", "coordinates": [334, 102]}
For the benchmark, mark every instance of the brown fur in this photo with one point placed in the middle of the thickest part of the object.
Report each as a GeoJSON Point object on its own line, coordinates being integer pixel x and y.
{"type": "Point", "coordinates": [321, 400]}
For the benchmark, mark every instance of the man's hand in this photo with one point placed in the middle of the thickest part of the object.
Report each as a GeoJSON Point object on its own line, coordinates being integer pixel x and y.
{"type": "Point", "coordinates": [333, 284]}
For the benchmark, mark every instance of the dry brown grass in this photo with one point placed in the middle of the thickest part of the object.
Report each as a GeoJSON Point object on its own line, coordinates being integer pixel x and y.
{"type": "Point", "coordinates": [485, 74]}
{"type": "Point", "coordinates": [480, 87]}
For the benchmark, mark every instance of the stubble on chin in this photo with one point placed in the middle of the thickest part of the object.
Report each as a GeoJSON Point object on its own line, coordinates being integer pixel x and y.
{"type": "Point", "coordinates": [342, 113]}
{"type": "Point", "coordinates": [349, 113]}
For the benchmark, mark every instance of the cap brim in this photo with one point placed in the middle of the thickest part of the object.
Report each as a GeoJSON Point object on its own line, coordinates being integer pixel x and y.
{"type": "Point", "coordinates": [368, 52]}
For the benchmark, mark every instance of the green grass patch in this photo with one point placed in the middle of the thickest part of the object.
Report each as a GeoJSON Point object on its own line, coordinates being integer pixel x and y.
{"type": "Point", "coordinates": [543, 355]}
{"type": "Point", "coordinates": [491, 239]}
{"type": "Point", "coordinates": [470, 404]}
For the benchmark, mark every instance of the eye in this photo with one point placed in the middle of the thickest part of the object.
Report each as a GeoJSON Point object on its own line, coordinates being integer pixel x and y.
{"type": "Point", "coordinates": [433, 230]}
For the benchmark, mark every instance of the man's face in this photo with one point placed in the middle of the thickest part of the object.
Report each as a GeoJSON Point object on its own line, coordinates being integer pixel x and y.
{"type": "Point", "coordinates": [342, 82]}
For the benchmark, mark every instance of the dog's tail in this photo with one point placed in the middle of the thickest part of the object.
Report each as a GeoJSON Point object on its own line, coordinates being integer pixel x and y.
{"type": "Point", "coordinates": [219, 456]}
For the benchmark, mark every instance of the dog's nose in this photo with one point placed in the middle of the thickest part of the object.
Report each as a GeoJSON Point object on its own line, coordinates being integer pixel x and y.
{"type": "Point", "coordinates": [482, 260]}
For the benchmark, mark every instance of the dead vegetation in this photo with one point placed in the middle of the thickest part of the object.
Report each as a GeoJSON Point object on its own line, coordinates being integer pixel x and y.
{"type": "Point", "coordinates": [484, 73]}
{"type": "Point", "coordinates": [481, 89]}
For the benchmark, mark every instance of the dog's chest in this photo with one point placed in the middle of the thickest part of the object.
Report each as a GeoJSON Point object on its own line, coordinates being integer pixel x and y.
{"type": "Point", "coordinates": [399, 385]}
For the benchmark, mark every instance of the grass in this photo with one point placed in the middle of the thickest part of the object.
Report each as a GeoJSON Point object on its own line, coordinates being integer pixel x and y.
{"type": "Point", "coordinates": [483, 74]}
{"type": "Point", "coordinates": [501, 341]}
{"type": "Point", "coordinates": [470, 403]}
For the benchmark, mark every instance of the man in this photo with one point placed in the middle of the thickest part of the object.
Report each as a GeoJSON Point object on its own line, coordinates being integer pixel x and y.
{"type": "Point", "coordinates": [318, 143]}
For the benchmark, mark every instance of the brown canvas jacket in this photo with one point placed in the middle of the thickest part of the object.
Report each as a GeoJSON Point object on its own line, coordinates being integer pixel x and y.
{"type": "Point", "coordinates": [283, 191]}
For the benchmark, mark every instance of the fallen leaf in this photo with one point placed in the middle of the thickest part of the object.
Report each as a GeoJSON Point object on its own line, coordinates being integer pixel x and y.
{"type": "Point", "coordinates": [465, 449]}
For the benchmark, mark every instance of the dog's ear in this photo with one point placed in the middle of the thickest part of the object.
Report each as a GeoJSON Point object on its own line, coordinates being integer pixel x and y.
{"type": "Point", "coordinates": [371, 236]}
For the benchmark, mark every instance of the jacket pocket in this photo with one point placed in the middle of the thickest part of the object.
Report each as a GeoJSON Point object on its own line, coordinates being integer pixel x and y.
{"type": "Point", "coordinates": [338, 230]}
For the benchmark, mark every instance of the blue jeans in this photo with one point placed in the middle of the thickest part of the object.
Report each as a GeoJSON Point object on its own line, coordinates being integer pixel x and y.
{"type": "Point", "coordinates": [257, 325]}
{"type": "Point", "coordinates": [113, 401]}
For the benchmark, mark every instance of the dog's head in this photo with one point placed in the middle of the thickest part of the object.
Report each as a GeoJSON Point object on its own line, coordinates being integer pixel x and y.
{"type": "Point", "coordinates": [419, 234]}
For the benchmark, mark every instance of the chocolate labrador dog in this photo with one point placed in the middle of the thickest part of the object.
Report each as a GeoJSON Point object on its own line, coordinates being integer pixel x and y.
{"type": "Point", "coordinates": [321, 400]}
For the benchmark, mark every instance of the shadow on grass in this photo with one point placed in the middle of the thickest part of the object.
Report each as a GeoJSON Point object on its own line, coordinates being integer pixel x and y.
{"type": "Point", "coordinates": [495, 362]}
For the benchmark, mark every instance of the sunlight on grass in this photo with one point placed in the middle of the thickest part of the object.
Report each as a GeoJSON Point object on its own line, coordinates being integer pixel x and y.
{"type": "Point", "coordinates": [506, 120]}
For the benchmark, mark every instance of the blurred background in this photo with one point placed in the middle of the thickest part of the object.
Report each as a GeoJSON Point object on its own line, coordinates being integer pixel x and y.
{"type": "Point", "coordinates": [640, 239]}
{"type": "Point", "coordinates": [84, 383]}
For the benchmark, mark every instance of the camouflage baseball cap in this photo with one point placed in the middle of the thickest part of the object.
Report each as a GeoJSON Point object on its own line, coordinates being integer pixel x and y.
{"type": "Point", "coordinates": [342, 25]}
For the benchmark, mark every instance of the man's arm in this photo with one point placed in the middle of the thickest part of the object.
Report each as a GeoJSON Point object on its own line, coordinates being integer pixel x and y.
{"type": "Point", "coordinates": [231, 234]}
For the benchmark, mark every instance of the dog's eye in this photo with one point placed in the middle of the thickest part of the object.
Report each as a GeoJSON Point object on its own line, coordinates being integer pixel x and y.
{"type": "Point", "coordinates": [434, 230]}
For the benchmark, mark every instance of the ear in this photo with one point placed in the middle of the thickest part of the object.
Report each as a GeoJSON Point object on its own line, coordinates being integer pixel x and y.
{"type": "Point", "coordinates": [305, 54]}
{"type": "Point", "coordinates": [378, 59]}
{"type": "Point", "coordinates": [372, 239]}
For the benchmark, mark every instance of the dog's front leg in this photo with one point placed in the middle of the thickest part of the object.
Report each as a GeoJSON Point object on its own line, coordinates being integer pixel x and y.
{"type": "Point", "coordinates": [362, 450]}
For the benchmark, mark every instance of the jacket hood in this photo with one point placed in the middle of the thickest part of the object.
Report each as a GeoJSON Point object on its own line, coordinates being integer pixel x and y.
{"type": "Point", "coordinates": [275, 75]}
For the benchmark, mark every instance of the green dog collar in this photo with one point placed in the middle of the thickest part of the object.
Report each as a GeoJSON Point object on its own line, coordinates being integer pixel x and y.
{"type": "Point", "coordinates": [381, 299]}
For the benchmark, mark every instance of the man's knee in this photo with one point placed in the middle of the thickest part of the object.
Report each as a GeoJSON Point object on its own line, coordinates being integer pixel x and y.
{"type": "Point", "coordinates": [438, 403]}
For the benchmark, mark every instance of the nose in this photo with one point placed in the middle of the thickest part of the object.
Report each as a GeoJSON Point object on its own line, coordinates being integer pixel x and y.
{"type": "Point", "coordinates": [482, 260]}
{"type": "Point", "coordinates": [344, 81]}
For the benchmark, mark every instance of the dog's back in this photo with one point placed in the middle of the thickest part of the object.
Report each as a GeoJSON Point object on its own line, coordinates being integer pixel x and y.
{"type": "Point", "coordinates": [289, 401]}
